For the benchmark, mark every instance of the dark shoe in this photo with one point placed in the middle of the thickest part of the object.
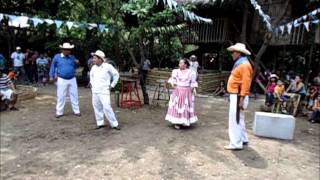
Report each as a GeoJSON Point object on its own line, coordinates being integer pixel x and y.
{"type": "Point", "coordinates": [245, 143]}
{"type": "Point", "coordinates": [99, 127]}
{"type": "Point", "coordinates": [116, 128]}
{"type": "Point", "coordinates": [59, 116]}
{"type": "Point", "coordinates": [14, 109]}
{"type": "Point", "coordinates": [77, 114]}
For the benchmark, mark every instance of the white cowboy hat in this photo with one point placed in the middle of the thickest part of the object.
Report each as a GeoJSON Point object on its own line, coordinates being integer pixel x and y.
{"type": "Point", "coordinates": [18, 48]}
{"type": "Point", "coordinates": [100, 54]}
{"type": "Point", "coordinates": [273, 76]}
{"type": "Point", "coordinates": [239, 47]}
{"type": "Point", "coordinates": [66, 46]}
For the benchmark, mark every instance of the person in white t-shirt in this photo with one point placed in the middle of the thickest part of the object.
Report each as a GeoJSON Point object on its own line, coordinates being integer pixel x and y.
{"type": "Point", "coordinates": [101, 74]}
{"type": "Point", "coordinates": [18, 59]}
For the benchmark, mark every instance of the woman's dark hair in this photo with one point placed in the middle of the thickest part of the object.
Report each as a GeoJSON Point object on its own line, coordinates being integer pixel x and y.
{"type": "Point", "coordinates": [186, 62]}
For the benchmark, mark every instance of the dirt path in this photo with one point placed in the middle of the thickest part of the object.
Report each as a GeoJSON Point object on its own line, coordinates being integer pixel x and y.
{"type": "Point", "coordinates": [34, 145]}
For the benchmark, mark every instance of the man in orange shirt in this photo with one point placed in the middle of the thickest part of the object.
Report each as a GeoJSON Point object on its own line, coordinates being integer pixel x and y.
{"type": "Point", "coordinates": [239, 88]}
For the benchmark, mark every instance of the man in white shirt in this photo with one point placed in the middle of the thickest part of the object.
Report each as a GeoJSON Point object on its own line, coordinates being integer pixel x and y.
{"type": "Point", "coordinates": [100, 76]}
{"type": "Point", "coordinates": [17, 58]}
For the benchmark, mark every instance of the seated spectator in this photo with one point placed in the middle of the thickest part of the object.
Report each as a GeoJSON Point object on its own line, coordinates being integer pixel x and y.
{"type": "Point", "coordinates": [315, 117]}
{"type": "Point", "coordinates": [311, 96]}
{"type": "Point", "coordinates": [7, 92]}
{"type": "Point", "coordinates": [221, 90]}
{"type": "Point", "coordinates": [297, 87]}
{"type": "Point", "coordinates": [270, 89]}
{"type": "Point", "coordinates": [279, 93]}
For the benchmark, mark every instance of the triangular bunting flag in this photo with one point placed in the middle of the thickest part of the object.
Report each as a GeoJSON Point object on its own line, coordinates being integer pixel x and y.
{"type": "Point", "coordinates": [102, 27]}
{"type": "Point", "coordinates": [36, 21]}
{"type": "Point", "coordinates": [49, 21]}
{"type": "Point", "coordinates": [1, 17]}
{"type": "Point", "coordinates": [58, 23]}
{"type": "Point", "coordinates": [304, 17]}
{"type": "Point", "coordinates": [295, 23]}
{"type": "Point", "coordinates": [289, 27]}
{"type": "Point", "coordinates": [306, 25]}
{"type": "Point", "coordinates": [281, 29]}
{"type": "Point", "coordinates": [69, 24]}
{"type": "Point", "coordinates": [316, 21]}
{"type": "Point", "coordinates": [314, 12]}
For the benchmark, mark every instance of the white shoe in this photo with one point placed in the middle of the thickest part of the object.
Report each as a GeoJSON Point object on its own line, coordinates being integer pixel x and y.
{"type": "Point", "coordinates": [232, 148]}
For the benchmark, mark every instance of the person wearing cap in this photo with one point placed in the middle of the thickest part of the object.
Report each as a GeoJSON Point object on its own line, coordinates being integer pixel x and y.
{"type": "Point", "coordinates": [63, 67]}
{"type": "Point", "coordinates": [18, 58]}
{"type": "Point", "coordinates": [239, 88]}
{"type": "Point", "coordinates": [270, 89]}
{"type": "Point", "coordinates": [101, 74]}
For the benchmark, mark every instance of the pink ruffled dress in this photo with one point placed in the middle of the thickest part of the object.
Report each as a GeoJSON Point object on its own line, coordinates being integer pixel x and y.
{"type": "Point", "coordinates": [181, 104]}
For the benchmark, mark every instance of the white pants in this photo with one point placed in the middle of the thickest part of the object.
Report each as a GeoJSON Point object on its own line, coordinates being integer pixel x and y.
{"type": "Point", "coordinates": [64, 86]}
{"type": "Point", "coordinates": [102, 107]}
{"type": "Point", "coordinates": [237, 132]}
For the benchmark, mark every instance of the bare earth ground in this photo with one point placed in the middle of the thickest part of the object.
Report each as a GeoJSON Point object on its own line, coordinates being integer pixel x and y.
{"type": "Point", "coordinates": [34, 145]}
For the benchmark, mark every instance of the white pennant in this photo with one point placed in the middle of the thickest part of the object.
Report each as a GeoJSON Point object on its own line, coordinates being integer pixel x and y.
{"type": "Point", "coordinates": [306, 24]}
{"type": "Point", "coordinates": [18, 21]}
{"type": "Point", "coordinates": [58, 23]}
{"type": "Point", "coordinates": [1, 16]}
{"type": "Point", "coordinates": [304, 17]}
{"type": "Point", "coordinates": [69, 24]}
{"type": "Point", "coordinates": [289, 27]}
{"type": "Point", "coordinates": [281, 29]}
{"type": "Point", "coordinates": [49, 21]}
{"type": "Point", "coordinates": [314, 12]}
{"type": "Point", "coordinates": [295, 23]}
{"type": "Point", "coordinates": [316, 21]}
{"type": "Point", "coordinates": [36, 21]}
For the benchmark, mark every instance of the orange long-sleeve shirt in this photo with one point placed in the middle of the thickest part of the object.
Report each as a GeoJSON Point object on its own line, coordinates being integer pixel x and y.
{"type": "Point", "coordinates": [240, 77]}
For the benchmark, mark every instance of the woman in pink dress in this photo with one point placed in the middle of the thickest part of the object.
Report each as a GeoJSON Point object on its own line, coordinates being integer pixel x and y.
{"type": "Point", "coordinates": [181, 105]}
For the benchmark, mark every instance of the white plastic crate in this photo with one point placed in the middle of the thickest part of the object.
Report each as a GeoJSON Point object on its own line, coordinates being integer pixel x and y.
{"type": "Point", "coordinates": [274, 125]}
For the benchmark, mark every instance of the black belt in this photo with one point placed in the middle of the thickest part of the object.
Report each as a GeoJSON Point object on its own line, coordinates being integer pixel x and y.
{"type": "Point", "coordinates": [66, 78]}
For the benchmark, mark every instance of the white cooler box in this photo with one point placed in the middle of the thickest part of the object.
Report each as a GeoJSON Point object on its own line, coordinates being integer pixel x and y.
{"type": "Point", "coordinates": [274, 125]}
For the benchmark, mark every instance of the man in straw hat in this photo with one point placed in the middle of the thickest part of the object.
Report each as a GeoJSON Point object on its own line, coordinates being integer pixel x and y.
{"type": "Point", "coordinates": [239, 88]}
{"type": "Point", "coordinates": [63, 68]}
{"type": "Point", "coordinates": [100, 76]}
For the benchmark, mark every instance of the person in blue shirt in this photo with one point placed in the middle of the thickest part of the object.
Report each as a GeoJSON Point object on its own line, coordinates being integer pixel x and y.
{"type": "Point", "coordinates": [63, 69]}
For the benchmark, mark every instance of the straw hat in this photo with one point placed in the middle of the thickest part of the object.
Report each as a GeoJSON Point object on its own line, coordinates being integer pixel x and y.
{"type": "Point", "coordinates": [273, 76]}
{"type": "Point", "coordinates": [239, 47]}
{"type": "Point", "coordinates": [100, 54]}
{"type": "Point", "coordinates": [66, 46]}
{"type": "Point", "coordinates": [18, 48]}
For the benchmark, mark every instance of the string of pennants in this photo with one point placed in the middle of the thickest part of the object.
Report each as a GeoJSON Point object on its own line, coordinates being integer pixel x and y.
{"type": "Point", "coordinates": [265, 18]}
{"type": "Point", "coordinates": [172, 4]}
{"type": "Point", "coordinates": [312, 19]}
{"type": "Point", "coordinates": [25, 22]}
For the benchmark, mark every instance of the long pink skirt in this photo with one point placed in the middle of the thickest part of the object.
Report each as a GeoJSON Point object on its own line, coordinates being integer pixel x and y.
{"type": "Point", "coordinates": [181, 107]}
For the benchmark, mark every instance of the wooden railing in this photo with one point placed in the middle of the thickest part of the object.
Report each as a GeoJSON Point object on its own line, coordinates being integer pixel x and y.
{"type": "Point", "coordinates": [206, 33]}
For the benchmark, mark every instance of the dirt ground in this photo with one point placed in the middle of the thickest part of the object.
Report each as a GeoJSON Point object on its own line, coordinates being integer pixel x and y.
{"type": "Point", "coordinates": [35, 145]}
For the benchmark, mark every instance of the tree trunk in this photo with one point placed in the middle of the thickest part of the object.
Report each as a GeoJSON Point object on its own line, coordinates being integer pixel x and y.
{"type": "Point", "coordinates": [307, 73]}
{"type": "Point", "coordinates": [267, 38]}
{"type": "Point", "coordinates": [243, 36]}
{"type": "Point", "coordinates": [141, 73]}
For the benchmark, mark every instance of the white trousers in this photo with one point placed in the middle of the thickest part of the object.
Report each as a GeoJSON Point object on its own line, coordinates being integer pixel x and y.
{"type": "Point", "coordinates": [237, 132]}
{"type": "Point", "coordinates": [63, 87]}
{"type": "Point", "coordinates": [102, 107]}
